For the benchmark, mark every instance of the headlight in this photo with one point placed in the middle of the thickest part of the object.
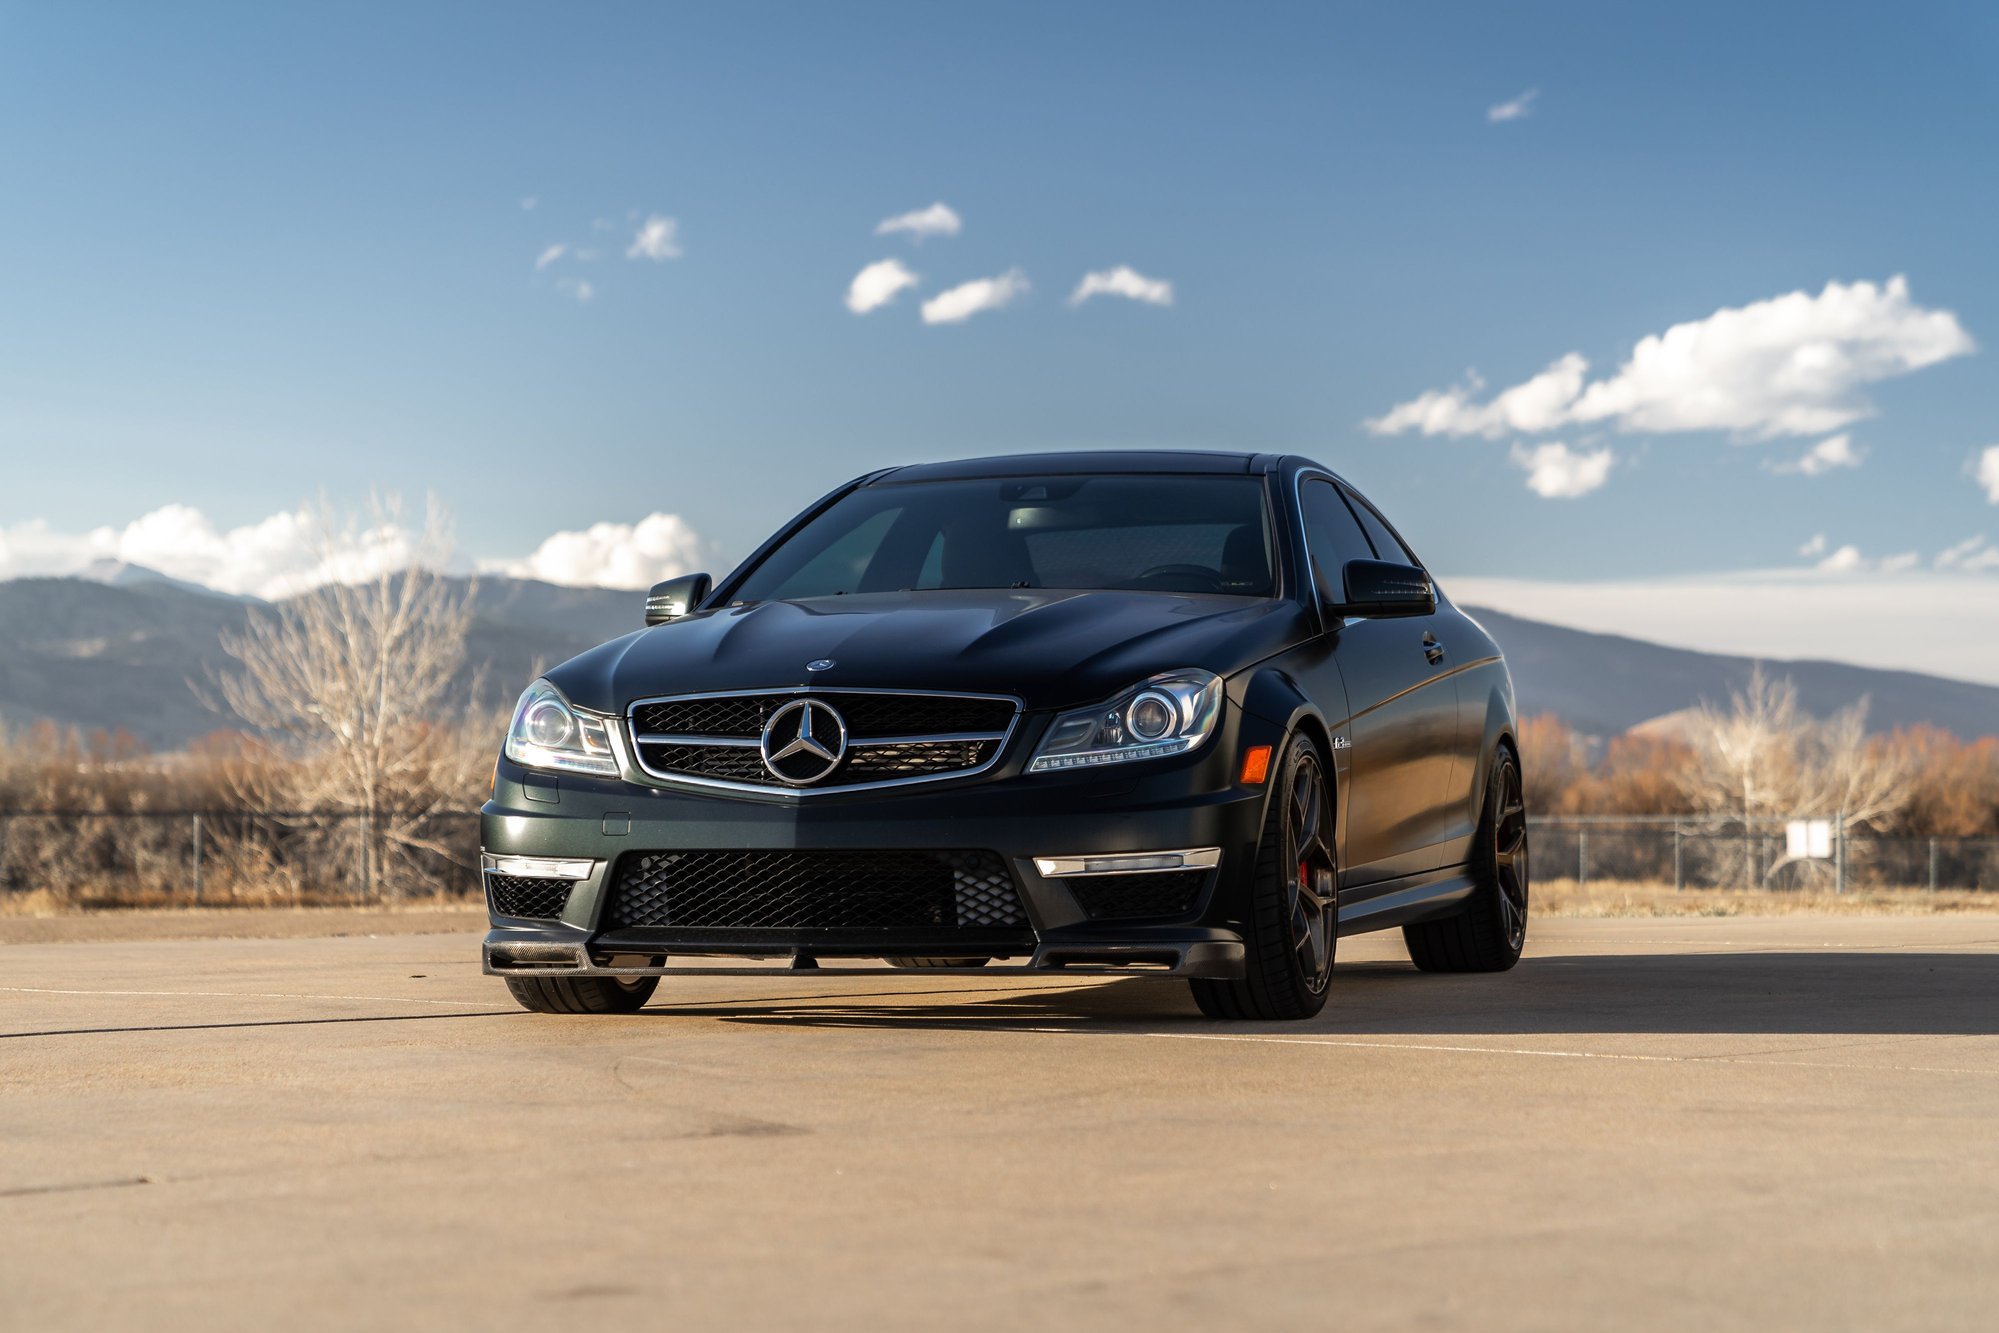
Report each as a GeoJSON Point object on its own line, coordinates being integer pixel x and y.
{"type": "Point", "coordinates": [1169, 714]}
{"type": "Point", "coordinates": [547, 733]}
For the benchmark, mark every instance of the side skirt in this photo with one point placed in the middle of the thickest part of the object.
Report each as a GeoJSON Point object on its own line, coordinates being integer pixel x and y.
{"type": "Point", "coordinates": [1401, 902]}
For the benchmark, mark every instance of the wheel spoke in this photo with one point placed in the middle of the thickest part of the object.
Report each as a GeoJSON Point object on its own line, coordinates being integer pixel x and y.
{"type": "Point", "coordinates": [1308, 829]}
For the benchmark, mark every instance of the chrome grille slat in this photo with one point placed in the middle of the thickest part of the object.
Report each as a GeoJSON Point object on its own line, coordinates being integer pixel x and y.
{"type": "Point", "coordinates": [679, 738]}
{"type": "Point", "coordinates": [712, 740]}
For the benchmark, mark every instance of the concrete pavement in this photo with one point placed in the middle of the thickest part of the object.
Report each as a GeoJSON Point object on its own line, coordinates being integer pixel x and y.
{"type": "Point", "coordinates": [1726, 1123]}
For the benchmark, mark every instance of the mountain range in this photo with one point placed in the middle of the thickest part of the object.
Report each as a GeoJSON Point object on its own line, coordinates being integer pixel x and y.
{"type": "Point", "coordinates": [124, 648]}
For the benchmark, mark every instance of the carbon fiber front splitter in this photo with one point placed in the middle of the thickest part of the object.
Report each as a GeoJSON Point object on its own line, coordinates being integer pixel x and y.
{"type": "Point", "coordinates": [1213, 954]}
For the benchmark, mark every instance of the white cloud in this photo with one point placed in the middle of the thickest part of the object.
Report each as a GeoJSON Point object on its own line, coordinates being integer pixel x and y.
{"type": "Point", "coordinates": [1971, 553]}
{"type": "Point", "coordinates": [1849, 560]}
{"type": "Point", "coordinates": [549, 256]}
{"type": "Point", "coordinates": [937, 220]}
{"type": "Point", "coordinates": [877, 284]}
{"type": "Point", "coordinates": [1557, 472]}
{"type": "Point", "coordinates": [658, 238]}
{"type": "Point", "coordinates": [1123, 281]}
{"type": "Point", "coordinates": [1988, 472]}
{"type": "Point", "coordinates": [1867, 619]}
{"type": "Point", "coordinates": [1816, 546]}
{"type": "Point", "coordinates": [298, 549]}
{"type": "Point", "coordinates": [1835, 451]}
{"type": "Point", "coordinates": [1791, 365]}
{"type": "Point", "coordinates": [529, 201]}
{"type": "Point", "coordinates": [1541, 403]}
{"type": "Point", "coordinates": [969, 298]}
{"type": "Point", "coordinates": [1519, 108]}
{"type": "Point", "coordinates": [577, 288]}
{"type": "Point", "coordinates": [610, 555]}
{"type": "Point", "coordinates": [285, 553]}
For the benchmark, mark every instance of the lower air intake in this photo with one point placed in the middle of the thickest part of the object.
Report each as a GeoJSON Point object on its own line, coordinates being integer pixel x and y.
{"type": "Point", "coordinates": [1168, 893]}
{"type": "Point", "coordinates": [536, 899]}
{"type": "Point", "coordinates": [886, 891]}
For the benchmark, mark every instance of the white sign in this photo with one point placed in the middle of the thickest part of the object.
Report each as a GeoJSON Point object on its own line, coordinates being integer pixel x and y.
{"type": "Point", "coordinates": [1808, 839]}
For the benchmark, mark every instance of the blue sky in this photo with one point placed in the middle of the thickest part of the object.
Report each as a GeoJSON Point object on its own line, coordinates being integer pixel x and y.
{"type": "Point", "coordinates": [249, 254]}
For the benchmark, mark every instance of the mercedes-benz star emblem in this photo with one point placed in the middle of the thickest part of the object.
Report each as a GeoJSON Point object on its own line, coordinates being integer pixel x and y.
{"type": "Point", "coordinates": [803, 742]}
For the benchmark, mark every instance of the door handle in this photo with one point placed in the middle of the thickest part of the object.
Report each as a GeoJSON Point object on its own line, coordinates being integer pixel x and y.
{"type": "Point", "coordinates": [1432, 650]}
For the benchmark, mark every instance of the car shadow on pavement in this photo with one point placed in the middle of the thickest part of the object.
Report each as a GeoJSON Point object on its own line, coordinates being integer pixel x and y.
{"type": "Point", "coordinates": [1941, 994]}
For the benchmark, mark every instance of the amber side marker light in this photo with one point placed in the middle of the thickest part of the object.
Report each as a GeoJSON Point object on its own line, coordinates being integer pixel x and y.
{"type": "Point", "coordinates": [1255, 765]}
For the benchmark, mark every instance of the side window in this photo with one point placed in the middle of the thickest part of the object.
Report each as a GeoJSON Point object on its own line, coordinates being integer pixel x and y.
{"type": "Point", "coordinates": [1386, 545]}
{"type": "Point", "coordinates": [1332, 536]}
{"type": "Point", "coordinates": [839, 567]}
{"type": "Point", "coordinates": [932, 573]}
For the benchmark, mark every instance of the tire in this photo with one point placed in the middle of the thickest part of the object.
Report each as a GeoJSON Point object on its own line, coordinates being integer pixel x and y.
{"type": "Point", "coordinates": [1488, 935]}
{"type": "Point", "coordinates": [583, 995]}
{"type": "Point", "coordinates": [1293, 925]}
{"type": "Point", "coordinates": [937, 962]}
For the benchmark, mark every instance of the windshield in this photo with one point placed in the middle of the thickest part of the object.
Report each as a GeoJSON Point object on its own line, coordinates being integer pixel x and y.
{"type": "Point", "coordinates": [1202, 534]}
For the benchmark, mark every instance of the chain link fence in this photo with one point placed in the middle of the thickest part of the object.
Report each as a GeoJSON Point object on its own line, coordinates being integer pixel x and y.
{"type": "Point", "coordinates": [311, 858]}
{"type": "Point", "coordinates": [75, 858]}
{"type": "Point", "coordinates": [1691, 853]}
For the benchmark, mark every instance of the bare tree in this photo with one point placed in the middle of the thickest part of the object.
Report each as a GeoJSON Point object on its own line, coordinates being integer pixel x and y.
{"type": "Point", "coordinates": [1764, 759]}
{"type": "Point", "coordinates": [1745, 762]}
{"type": "Point", "coordinates": [353, 675]}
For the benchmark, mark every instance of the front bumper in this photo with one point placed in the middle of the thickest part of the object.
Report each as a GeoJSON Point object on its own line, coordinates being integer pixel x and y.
{"type": "Point", "coordinates": [1190, 802]}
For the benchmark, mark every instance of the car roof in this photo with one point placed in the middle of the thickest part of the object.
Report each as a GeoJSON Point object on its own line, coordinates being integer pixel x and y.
{"type": "Point", "coordinates": [1111, 462]}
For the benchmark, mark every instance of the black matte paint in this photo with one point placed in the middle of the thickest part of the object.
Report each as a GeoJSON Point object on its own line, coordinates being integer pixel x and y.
{"type": "Point", "coordinates": [1409, 707]}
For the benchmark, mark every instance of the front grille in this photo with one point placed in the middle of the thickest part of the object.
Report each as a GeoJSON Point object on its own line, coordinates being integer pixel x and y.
{"type": "Point", "coordinates": [869, 716]}
{"type": "Point", "coordinates": [719, 763]}
{"type": "Point", "coordinates": [737, 715]}
{"type": "Point", "coordinates": [883, 763]}
{"type": "Point", "coordinates": [872, 891]}
{"type": "Point", "coordinates": [891, 737]}
{"type": "Point", "coordinates": [1166, 893]}
{"type": "Point", "coordinates": [518, 895]}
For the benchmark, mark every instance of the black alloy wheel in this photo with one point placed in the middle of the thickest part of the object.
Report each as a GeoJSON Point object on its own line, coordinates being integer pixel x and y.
{"type": "Point", "coordinates": [1509, 854]}
{"type": "Point", "coordinates": [1293, 932]}
{"type": "Point", "coordinates": [1488, 935]}
{"type": "Point", "coordinates": [1312, 890]}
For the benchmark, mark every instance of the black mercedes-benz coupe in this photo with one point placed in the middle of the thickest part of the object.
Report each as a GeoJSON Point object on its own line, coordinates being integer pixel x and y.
{"type": "Point", "coordinates": [1183, 714]}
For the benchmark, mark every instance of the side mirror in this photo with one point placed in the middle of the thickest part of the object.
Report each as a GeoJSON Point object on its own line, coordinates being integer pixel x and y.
{"type": "Point", "coordinates": [1382, 588]}
{"type": "Point", "coordinates": [676, 597]}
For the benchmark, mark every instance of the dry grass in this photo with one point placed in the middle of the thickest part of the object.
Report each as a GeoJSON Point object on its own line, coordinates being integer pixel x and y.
{"type": "Point", "coordinates": [1602, 898]}
{"type": "Point", "coordinates": [34, 902]}
{"type": "Point", "coordinates": [454, 917]}
{"type": "Point", "coordinates": [47, 903]}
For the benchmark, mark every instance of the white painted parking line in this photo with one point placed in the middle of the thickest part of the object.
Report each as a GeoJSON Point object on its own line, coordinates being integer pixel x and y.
{"type": "Point", "coordinates": [231, 995]}
{"type": "Point", "coordinates": [1532, 1052]}
{"type": "Point", "coordinates": [1571, 1055]}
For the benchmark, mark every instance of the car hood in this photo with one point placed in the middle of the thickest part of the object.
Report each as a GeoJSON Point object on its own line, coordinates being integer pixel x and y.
{"type": "Point", "coordinates": [1052, 649]}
